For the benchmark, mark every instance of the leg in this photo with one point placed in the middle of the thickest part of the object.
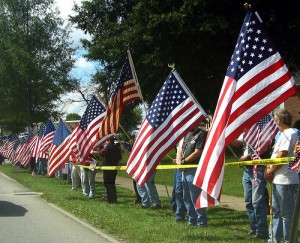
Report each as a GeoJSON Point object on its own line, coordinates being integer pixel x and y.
{"type": "Point", "coordinates": [190, 210]}
{"type": "Point", "coordinates": [180, 208]}
{"type": "Point", "coordinates": [247, 185]}
{"type": "Point", "coordinates": [92, 175]}
{"type": "Point", "coordinates": [152, 191]}
{"type": "Point", "coordinates": [145, 199]}
{"type": "Point", "coordinates": [109, 178]}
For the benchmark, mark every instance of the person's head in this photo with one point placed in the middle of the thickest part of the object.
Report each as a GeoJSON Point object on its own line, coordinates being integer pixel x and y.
{"type": "Point", "coordinates": [283, 117]}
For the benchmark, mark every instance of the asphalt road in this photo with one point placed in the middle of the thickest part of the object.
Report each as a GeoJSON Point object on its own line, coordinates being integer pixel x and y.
{"type": "Point", "coordinates": [25, 217]}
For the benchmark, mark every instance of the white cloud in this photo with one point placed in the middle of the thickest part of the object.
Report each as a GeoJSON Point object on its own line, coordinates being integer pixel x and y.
{"type": "Point", "coordinates": [83, 69]}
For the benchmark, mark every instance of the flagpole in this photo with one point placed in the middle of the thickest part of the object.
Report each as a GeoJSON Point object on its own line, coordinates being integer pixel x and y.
{"type": "Point", "coordinates": [187, 90]}
{"type": "Point", "coordinates": [136, 78]}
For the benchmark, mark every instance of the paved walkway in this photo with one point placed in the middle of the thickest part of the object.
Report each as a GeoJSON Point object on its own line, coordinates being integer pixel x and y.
{"type": "Point", "coordinates": [231, 202]}
{"type": "Point", "coordinates": [26, 218]}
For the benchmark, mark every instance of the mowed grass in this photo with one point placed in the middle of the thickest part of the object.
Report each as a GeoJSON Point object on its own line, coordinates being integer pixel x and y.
{"type": "Point", "coordinates": [128, 222]}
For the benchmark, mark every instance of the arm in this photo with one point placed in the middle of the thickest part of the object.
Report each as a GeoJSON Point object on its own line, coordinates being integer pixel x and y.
{"type": "Point", "coordinates": [271, 169]}
{"type": "Point", "coordinates": [193, 156]}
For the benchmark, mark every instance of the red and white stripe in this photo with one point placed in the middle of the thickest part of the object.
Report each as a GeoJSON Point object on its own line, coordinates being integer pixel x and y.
{"type": "Point", "coordinates": [240, 105]}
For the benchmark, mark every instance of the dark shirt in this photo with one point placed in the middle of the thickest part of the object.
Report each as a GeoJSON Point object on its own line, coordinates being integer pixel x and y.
{"type": "Point", "coordinates": [111, 154]}
{"type": "Point", "coordinates": [192, 141]}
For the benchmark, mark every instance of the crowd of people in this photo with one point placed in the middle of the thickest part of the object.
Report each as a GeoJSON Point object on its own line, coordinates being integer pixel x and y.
{"type": "Point", "coordinates": [283, 181]}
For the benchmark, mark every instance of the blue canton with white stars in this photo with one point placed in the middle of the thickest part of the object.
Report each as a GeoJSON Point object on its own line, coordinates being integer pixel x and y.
{"type": "Point", "coordinates": [94, 109]}
{"type": "Point", "coordinates": [42, 130]}
{"type": "Point", "coordinates": [264, 121]}
{"type": "Point", "coordinates": [124, 76]}
{"type": "Point", "coordinates": [169, 97]}
{"type": "Point", "coordinates": [50, 127]}
{"type": "Point", "coordinates": [253, 46]}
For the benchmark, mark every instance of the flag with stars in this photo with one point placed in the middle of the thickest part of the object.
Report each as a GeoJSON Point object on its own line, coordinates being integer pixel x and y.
{"type": "Point", "coordinates": [123, 91]}
{"type": "Point", "coordinates": [261, 134]}
{"type": "Point", "coordinates": [84, 136]}
{"type": "Point", "coordinates": [173, 113]}
{"type": "Point", "coordinates": [295, 163]}
{"type": "Point", "coordinates": [59, 151]}
{"type": "Point", "coordinates": [48, 137]}
{"type": "Point", "coordinates": [256, 82]}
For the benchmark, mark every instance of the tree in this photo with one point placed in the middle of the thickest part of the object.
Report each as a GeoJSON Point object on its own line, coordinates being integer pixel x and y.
{"type": "Point", "coordinates": [35, 61]}
{"type": "Point", "coordinates": [73, 117]}
{"type": "Point", "coordinates": [197, 35]}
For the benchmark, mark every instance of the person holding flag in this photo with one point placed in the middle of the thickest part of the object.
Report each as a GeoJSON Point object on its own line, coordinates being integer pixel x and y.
{"type": "Point", "coordinates": [190, 153]}
{"type": "Point", "coordinates": [284, 180]}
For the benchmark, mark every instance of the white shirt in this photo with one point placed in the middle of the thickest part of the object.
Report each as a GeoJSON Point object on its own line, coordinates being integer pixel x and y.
{"type": "Point", "coordinates": [286, 142]}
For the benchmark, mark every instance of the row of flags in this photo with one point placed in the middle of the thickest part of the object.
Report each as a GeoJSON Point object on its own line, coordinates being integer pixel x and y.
{"type": "Point", "coordinates": [256, 82]}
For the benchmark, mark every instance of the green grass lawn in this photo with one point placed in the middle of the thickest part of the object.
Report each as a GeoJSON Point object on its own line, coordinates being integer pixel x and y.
{"type": "Point", "coordinates": [129, 222]}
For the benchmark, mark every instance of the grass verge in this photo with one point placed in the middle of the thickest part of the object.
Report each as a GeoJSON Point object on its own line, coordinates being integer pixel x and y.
{"type": "Point", "coordinates": [127, 221]}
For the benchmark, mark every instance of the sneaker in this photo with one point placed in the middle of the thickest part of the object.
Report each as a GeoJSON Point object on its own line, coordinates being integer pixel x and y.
{"type": "Point", "coordinates": [251, 232]}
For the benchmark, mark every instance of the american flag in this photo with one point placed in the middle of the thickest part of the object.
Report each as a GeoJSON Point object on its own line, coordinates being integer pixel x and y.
{"type": "Point", "coordinates": [260, 135]}
{"type": "Point", "coordinates": [35, 152]}
{"type": "Point", "coordinates": [295, 163]}
{"type": "Point", "coordinates": [9, 146]}
{"type": "Point", "coordinates": [123, 91]}
{"type": "Point", "coordinates": [256, 82]}
{"type": "Point", "coordinates": [48, 137]}
{"type": "Point", "coordinates": [59, 152]}
{"type": "Point", "coordinates": [84, 136]}
{"type": "Point", "coordinates": [173, 113]}
{"type": "Point", "coordinates": [24, 156]}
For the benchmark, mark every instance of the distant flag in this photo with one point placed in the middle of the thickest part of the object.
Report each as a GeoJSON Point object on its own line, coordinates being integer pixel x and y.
{"type": "Point", "coordinates": [38, 137]}
{"type": "Point", "coordinates": [123, 91]}
{"type": "Point", "coordinates": [7, 152]}
{"type": "Point", "coordinates": [173, 113]}
{"type": "Point", "coordinates": [59, 153]}
{"type": "Point", "coordinates": [27, 147]}
{"type": "Point", "coordinates": [295, 163]}
{"type": "Point", "coordinates": [256, 82]}
{"type": "Point", "coordinates": [84, 136]}
{"type": "Point", "coordinates": [48, 137]}
{"type": "Point", "coordinates": [15, 148]}
{"type": "Point", "coordinates": [261, 134]}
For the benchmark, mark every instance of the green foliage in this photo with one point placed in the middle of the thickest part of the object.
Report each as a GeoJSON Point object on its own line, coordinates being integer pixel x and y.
{"type": "Point", "coordinates": [73, 117]}
{"type": "Point", "coordinates": [35, 59]}
{"type": "Point", "coordinates": [198, 36]}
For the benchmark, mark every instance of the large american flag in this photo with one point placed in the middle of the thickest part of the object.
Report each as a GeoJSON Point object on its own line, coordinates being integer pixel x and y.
{"type": "Point", "coordinates": [84, 136]}
{"type": "Point", "coordinates": [123, 91]}
{"type": "Point", "coordinates": [173, 113]}
{"type": "Point", "coordinates": [260, 135]}
{"type": "Point", "coordinates": [59, 152]}
{"type": "Point", "coordinates": [256, 82]}
{"type": "Point", "coordinates": [48, 137]}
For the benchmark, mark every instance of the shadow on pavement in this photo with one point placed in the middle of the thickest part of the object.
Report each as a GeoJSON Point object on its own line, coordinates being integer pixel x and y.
{"type": "Point", "coordinates": [8, 209]}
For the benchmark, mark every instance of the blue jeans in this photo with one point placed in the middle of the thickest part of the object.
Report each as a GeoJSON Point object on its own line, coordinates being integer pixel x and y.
{"type": "Point", "coordinates": [283, 203]}
{"type": "Point", "coordinates": [41, 164]}
{"type": "Point", "coordinates": [89, 182]}
{"type": "Point", "coordinates": [178, 194]}
{"type": "Point", "coordinates": [255, 200]}
{"type": "Point", "coordinates": [190, 196]}
{"type": "Point", "coordinates": [148, 193]}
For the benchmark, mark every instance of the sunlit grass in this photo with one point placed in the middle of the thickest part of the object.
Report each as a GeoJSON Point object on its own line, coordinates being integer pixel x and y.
{"type": "Point", "coordinates": [128, 221]}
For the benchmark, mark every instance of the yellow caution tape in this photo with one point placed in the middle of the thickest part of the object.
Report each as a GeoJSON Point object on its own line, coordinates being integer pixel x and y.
{"type": "Point", "coordinates": [277, 161]}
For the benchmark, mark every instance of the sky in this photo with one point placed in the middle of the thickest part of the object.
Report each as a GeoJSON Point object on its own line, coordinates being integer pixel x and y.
{"type": "Point", "coordinates": [83, 69]}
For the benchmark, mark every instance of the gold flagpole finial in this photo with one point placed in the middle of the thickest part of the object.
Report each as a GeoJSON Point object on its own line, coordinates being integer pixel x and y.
{"type": "Point", "coordinates": [172, 66]}
{"type": "Point", "coordinates": [247, 6]}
